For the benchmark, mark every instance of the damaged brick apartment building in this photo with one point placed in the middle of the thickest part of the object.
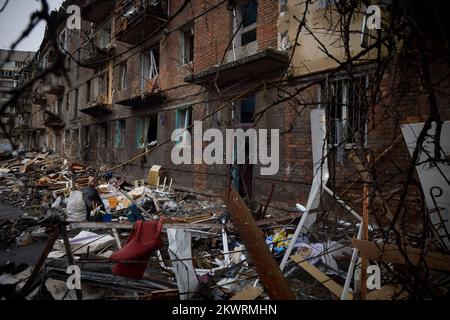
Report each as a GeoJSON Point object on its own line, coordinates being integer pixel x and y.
{"type": "Point", "coordinates": [139, 69]}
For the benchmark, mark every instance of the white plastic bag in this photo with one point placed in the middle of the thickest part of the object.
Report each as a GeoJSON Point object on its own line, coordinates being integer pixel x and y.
{"type": "Point", "coordinates": [76, 209]}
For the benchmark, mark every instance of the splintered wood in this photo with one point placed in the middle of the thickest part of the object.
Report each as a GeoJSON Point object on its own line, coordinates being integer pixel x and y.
{"type": "Point", "coordinates": [249, 293]}
{"type": "Point", "coordinates": [325, 280]}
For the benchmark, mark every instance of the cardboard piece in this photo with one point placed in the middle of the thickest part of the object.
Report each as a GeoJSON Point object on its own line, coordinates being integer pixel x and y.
{"type": "Point", "coordinates": [153, 175]}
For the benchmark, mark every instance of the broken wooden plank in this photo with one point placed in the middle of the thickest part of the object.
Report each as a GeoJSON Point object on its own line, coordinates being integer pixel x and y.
{"type": "Point", "coordinates": [368, 179]}
{"type": "Point", "coordinates": [329, 283]}
{"type": "Point", "coordinates": [37, 268]}
{"type": "Point", "coordinates": [391, 253]}
{"type": "Point", "coordinates": [272, 279]}
{"type": "Point", "coordinates": [365, 236]}
{"type": "Point", "coordinates": [248, 293]}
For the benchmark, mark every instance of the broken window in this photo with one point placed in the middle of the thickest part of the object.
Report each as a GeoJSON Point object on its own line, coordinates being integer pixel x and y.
{"type": "Point", "coordinates": [101, 87]}
{"type": "Point", "coordinates": [75, 104]}
{"type": "Point", "coordinates": [88, 91]}
{"type": "Point", "coordinates": [59, 104]}
{"type": "Point", "coordinates": [86, 137]}
{"type": "Point", "coordinates": [183, 119]}
{"type": "Point", "coordinates": [146, 131]}
{"type": "Point", "coordinates": [244, 110]}
{"type": "Point", "coordinates": [249, 16]}
{"type": "Point", "coordinates": [119, 141]}
{"type": "Point", "coordinates": [345, 100]}
{"type": "Point", "coordinates": [149, 68]}
{"type": "Point", "coordinates": [187, 45]}
{"type": "Point", "coordinates": [67, 102]}
{"type": "Point", "coordinates": [246, 18]}
{"type": "Point", "coordinates": [247, 109]}
{"type": "Point", "coordinates": [123, 75]}
{"type": "Point", "coordinates": [102, 134]}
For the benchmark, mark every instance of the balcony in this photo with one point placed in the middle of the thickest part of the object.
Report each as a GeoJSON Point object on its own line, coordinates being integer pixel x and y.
{"type": "Point", "coordinates": [53, 86]}
{"type": "Point", "coordinates": [149, 96]}
{"type": "Point", "coordinates": [265, 64]}
{"type": "Point", "coordinates": [97, 10]}
{"type": "Point", "coordinates": [23, 128]}
{"type": "Point", "coordinates": [39, 98]}
{"type": "Point", "coordinates": [97, 108]}
{"type": "Point", "coordinates": [94, 56]}
{"type": "Point", "coordinates": [53, 121]}
{"type": "Point", "coordinates": [135, 22]}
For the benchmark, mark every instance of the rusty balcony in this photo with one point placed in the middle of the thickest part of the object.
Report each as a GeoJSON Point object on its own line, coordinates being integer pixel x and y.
{"type": "Point", "coordinates": [53, 86]}
{"type": "Point", "coordinates": [265, 64]}
{"type": "Point", "coordinates": [38, 98]}
{"type": "Point", "coordinates": [98, 108]}
{"type": "Point", "coordinates": [95, 55]}
{"type": "Point", "coordinates": [52, 120]}
{"type": "Point", "coordinates": [96, 10]}
{"type": "Point", "coordinates": [134, 22]}
{"type": "Point", "coordinates": [150, 95]}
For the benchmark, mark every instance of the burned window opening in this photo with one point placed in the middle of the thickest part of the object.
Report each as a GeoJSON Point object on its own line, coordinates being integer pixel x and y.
{"type": "Point", "coordinates": [147, 131]}
{"type": "Point", "coordinates": [183, 120]}
{"type": "Point", "coordinates": [187, 45]}
{"type": "Point", "coordinates": [120, 130]}
{"type": "Point", "coordinates": [149, 68]}
{"type": "Point", "coordinates": [123, 76]}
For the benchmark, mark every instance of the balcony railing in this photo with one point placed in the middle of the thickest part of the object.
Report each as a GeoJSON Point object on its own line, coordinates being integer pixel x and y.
{"type": "Point", "coordinates": [38, 98]}
{"type": "Point", "coordinates": [96, 10]}
{"type": "Point", "coordinates": [52, 120]}
{"type": "Point", "coordinates": [148, 96]}
{"type": "Point", "coordinates": [267, 63]}
{"type": "Point", "coordinates": [53, 86]}
{"type": "Point", "coordinates": [95, 55]}
{"type": "Point", "coordinates": [134, 21]}
{"type": "Point", "coordinates": [97, 108]}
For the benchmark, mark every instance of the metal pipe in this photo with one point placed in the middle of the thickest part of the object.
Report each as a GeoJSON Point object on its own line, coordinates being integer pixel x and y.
{"type": "Point", "coordinates": [342, 203]}
{"type": "Point", "coordinates": [351, 267]}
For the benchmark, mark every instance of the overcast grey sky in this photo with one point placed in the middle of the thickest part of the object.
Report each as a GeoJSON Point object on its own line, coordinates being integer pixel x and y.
{"type": "Point", "coordinates": [15, 18]}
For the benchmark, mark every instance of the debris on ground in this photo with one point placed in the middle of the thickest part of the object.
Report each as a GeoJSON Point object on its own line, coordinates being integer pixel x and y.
{"type": "Point", "coordinates": [133, 240]}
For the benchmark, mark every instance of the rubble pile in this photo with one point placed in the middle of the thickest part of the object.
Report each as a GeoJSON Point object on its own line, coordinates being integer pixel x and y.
{"type": "Point", "coordinates": [134, 240]}
{"type": "Point", "coordinates": [31, 180]}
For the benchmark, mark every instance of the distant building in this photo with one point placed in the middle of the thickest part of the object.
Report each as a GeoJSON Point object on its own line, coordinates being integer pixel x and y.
{"type": "Point", "coordinates": [11, 64]}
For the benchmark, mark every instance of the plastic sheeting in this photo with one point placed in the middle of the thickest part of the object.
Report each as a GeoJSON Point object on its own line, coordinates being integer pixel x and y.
{"type": "Point", "coordinates": [76, 209]}
{"type": "Point", "coordinates": [181, 256]}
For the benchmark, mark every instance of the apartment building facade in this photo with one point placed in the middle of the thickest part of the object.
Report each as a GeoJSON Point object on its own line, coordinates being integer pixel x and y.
{"type": "Point", "coordinates": [140, 69]}
{"type": "Point", "coordinates": [13, 71]}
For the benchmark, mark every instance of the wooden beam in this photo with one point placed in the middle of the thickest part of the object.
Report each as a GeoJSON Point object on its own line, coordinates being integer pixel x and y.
{"type": "Point", "coordinates": [272, 279]}
{"type": "Point", "coordinates": [378, 158]}
{"type": "Point", "coordinates": [391, 253]}
{"type": "Point", "coordinates": [249, 293]}
{"type": "Point", "coordinates": [329, 283]}
{"type": "Point", "coordinates": [365, 236]}
{"type": "Point", "coordinates": [367, 179]}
